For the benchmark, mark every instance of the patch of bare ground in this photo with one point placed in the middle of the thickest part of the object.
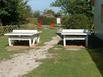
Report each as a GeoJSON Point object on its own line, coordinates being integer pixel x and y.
{"type": "Point", "coordinates": [74, 47]}
{"type": "Point", "coordinates": [22, 63]}
{"type": "Point", "coordinates": [18, 48]}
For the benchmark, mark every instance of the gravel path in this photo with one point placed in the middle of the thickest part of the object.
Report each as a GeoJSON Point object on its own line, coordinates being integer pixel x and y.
{"type": "Point", "coordinates": [23, 63]}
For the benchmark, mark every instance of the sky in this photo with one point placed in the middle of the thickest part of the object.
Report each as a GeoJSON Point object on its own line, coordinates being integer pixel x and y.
{"type": "Point", "coordinates": [42, 5]}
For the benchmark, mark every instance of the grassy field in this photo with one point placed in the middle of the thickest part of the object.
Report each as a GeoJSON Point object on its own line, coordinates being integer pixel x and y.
{"type": "Point", "coordinates": [3, 45]}
{"type": "Point", "coordinates": [66, 63]}
{"type": "Point", "coordinates": [46, 35]}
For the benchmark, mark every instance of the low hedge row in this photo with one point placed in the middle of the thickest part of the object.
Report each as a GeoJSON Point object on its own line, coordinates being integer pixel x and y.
{"type": "Point", "coordinates": [9, 28]}
{"type": "Point", "coordinates": [79, 21]}
{"type": "Point", "coordinates": [5, 29]}
{"type": "Point", "coordinates": [47, 20]}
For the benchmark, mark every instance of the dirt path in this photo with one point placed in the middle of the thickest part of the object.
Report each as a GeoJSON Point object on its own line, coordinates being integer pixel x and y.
{"type": "Point", "coordinates": [22, 63]}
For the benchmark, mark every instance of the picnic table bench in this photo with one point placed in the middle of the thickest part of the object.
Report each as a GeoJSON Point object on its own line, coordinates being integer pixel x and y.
{"type": "Point", "coordinates": [75, 34]}
{"type": "Point", "coordinates": [32, 36]}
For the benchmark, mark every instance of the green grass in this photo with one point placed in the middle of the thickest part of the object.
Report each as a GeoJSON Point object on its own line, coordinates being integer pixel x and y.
{"type": "Point", "coordinates": [97, 56]}
{"type": "Point", "coordinates": [66, 63]}
{"type": "Point", "coordinates": [3, 45]}
{"type": "Point", "coordinates": [46, 35]}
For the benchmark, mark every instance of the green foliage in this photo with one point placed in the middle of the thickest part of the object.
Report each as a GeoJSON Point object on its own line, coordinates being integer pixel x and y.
{"type": "Point", "coordinates": [75, 21]}
{"type": "Point", "coordinates": [49, 11]}
{"type": "Point", "coordinates": [5, 29]}
{"type": "Point", "coordinates": [48, 20]}
{"type": "Point", "coordinates": [36, 14]}
{"type": "Point", "coordinates": [14, 11]}
{"type": "Point", "coordinates": [74, 7]}
{"type": "Point", "coordinates": [35, 20]}
{"type": "Point", "coordinates": [9, 28]}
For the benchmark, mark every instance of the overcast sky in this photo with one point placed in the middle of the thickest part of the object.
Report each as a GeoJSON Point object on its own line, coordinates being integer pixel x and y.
{"type": "Point", "coordinates": [41, 5]}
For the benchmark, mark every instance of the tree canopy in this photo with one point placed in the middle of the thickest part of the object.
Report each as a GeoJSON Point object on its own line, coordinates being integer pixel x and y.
{"type": "Point", "coordinates": [72, 7]}
{"type": "Point", "coordinates": [14, 11]}
{"type": "Point", "coordinates": [75, 7]}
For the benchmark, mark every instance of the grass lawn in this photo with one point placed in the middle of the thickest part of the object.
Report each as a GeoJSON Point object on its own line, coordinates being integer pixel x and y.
{"type": "Point", "coordinates": [3, 45]}
{"type": "Point", "coordinates": [46, 35]}
{"type": "Point", "coordinates": [66, 63]}
{"type": "Point", "coordinates": [5, 54]}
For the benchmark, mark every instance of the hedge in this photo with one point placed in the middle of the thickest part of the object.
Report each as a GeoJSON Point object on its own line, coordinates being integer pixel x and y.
{"type": "Point", "coordinates": [9, 28]}
{"type": "Point", "coordinates": [79, 21]}
{"type": "Point", "coordinates": [5, 29]}
{"type": "Point", "coordinates": [48, 20]}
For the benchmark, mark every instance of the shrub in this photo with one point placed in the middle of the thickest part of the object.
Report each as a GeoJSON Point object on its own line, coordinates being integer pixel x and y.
{"type": "Point", "coordinates": [9, 28]}
{"type": "Point", "coordinates": [48, 20]}
{"type": "Point", "coordinates": [76, 22]}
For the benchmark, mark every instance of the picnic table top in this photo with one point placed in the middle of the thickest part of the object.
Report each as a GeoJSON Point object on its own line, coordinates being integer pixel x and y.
{"type": "Point", "coordinates": [20, 33]}
{"type": "Point", "coordinates": [73, 33]}
{"type": "Point", "coordinates": [23, 33]}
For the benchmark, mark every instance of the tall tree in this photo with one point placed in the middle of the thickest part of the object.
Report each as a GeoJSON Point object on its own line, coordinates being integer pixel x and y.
{"type": "Point", "coordinates": [36, 14]}
{"type": "Point", "coordinates": [72, 7]}
{"type": "Point", "coordinates": [49, 11]}
{"type": "Point", "coordinates": [13, 11]}
{"type": "Point", "coordinates": [75, 7]}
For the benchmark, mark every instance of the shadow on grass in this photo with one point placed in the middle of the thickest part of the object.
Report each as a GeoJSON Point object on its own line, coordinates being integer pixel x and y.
{"type": "Point", "coordinates": [95, 50]}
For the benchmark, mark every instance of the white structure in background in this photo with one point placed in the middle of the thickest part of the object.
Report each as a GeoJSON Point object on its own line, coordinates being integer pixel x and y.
{"type": "Point", "coordinates": [75, 34]}
{"type": "Point", "coordinates": [58, 21]}
{"type": "Point", "coordinates": [99, 18]}
{"type": "Point", "coordinates": [32, 36]}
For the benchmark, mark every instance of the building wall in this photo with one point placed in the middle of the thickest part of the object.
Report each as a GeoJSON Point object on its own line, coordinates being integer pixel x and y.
{"type": "Point", "coordinates": [99, 18]}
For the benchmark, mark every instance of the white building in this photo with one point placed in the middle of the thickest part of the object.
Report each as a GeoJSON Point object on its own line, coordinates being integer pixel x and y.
{"type": "Point", "coordinates": [98, 18]}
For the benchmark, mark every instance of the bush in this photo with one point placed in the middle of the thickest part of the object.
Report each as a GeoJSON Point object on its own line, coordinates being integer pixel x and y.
{"type": "Point", "coordinates": [76, 22]}
{"type": "Point", "coordinates": [5, 29]}
{"type": "Point", "coordinates": [9, 28]}
{"type": "Point", "coordinates": [48, 20]}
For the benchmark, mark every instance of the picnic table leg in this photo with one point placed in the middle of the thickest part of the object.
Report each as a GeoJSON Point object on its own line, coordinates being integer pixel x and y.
{"type": "Point", "coordinates": [30, 42]}
{"type": "Point", "coordinates": [9, 41]}
{"type": "Point", "coordinates": [64, 41]}
{"type": "Point", "coordinates": [86, 41]}
{"type": "Point", "coordinates": [34, 39]}
{"type": "Point", "coordinates": [38, 38]}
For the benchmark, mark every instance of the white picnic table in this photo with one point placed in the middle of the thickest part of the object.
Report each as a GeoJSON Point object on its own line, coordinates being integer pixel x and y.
{"type": "Point", "coordinates": [75, 34]}
{"type": "Point", "coordinates": [32, 36]}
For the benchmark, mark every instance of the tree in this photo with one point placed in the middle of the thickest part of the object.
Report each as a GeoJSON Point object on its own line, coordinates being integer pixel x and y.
{"type": "Point", "coordinates": [75, 21]}
{"type": "Point", "coordinates": [76, 7]}
{"type": "Point", "coordinates": [36, 14]}
{"type": "Point", "coordinates": [49, 11]}
{"type": "Point", "coordinates": [13, 11]}
{"type": "Point", "coordinates": [71, 7]}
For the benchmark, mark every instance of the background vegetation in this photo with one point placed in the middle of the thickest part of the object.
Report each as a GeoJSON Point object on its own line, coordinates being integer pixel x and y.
{"type": "Point", "coordinates": [48, 20]}
{"type": "Point", "coordinates": [75, 8]}
{"type": "Point", "coordinates": [14, 12]}
{"type": "Point", "coordinates": [75, 22]}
